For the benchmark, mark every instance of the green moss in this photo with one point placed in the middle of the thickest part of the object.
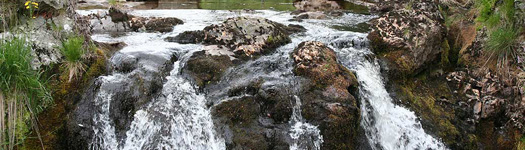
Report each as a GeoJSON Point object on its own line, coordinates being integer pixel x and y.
{"type": "Point", "coordinates": [485, 8]}
{"type": "Point", "coordinates": [445, 61]}
{"type": "Point", "coordinates": [521, 144]}
{"type": "Point", "coordinates": [97, 68]}
{"type": "Point", "coordinates": [270, 39]}
{"type": "Point", "coordinates": [283, 5]}
{"type": "Point", "coordinates": [420, 94]}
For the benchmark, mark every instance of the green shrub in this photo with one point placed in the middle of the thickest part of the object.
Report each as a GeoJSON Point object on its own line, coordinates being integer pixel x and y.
{"type": "Point", "coordinates": [72, 49]}
{"type": "Point", "coordinates": [21, 91]}
{"type": "Point", "coordinates": [16, 72]}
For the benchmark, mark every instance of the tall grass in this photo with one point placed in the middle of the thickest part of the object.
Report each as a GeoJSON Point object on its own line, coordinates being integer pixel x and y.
{"type": "Point", "coordinates": [503, 33]}
{"type": "Point", "coordinates": [501, 44]}
{"type": "Point", "coordinates": [72, 49]}
{"type": "Point", "coordinates": [22, 93]}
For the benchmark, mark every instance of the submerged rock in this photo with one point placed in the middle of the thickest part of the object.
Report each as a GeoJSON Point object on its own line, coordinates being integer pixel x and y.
{"type": "Point", "coordinates": [408, 37]}
{"type": "Point", "coordinates": [187, 37]}
{"type": "Point", "coordinates": [328, 101]}
{"type": "Point", "coordinates": [153, 24]}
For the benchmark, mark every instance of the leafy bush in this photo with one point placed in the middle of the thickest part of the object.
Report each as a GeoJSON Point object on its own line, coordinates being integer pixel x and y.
{"type": "Point", "coordinates": [72, 49]}
{"type": "Point", "coordinates": [21, 91]}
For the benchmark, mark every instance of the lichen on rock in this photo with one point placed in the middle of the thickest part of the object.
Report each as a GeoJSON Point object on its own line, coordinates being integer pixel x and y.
{"type": "Point", "coordinates": [408, 37]}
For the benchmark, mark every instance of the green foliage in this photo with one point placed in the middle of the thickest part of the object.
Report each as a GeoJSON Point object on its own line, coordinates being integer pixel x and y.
{"type": "Point", "coordinates": [16, 73]}
{"type": "Point", "coordinates": [493, 20]}
{"type": "Point", "coordinates": [485, 8]}
{"type": "Point", "coordinates": [508, 10]}
{"type": "Point", "coordinates": [499, 18]}
{"type": "Point", "coordinates": [501, 41]}
{"type": "Point", "coordinates": [25, 94]}
{"type": "Point", "coordinates": [493, 15]}
{"type": "Point", "coordinates": [72, 49]}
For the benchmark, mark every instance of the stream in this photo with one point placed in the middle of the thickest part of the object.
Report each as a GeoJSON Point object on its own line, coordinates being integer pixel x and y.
{"type": "Point", "coordinates": [178, 116]}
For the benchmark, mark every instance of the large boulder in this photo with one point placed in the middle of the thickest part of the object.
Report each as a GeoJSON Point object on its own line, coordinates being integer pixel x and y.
{"type": "Point", "coordinates": [494, 105]}
{"type": "Point", "coordinates": [328, 101]}
{"type": "Point", "coordinates": [409, 36]}
{"type": "Point", "coordinates": [248, 36]}
{"type": "Point", "coordinates": [231, 42]}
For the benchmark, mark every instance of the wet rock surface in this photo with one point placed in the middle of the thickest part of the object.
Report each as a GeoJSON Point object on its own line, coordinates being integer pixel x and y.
{"type": "Point", "coordinates": [257, 121]}
{"type": "Point", "coordinates": [408, 36]}
{"type": "Point", "coordinates": [206, 69]}
{"type": "Point", "coordinates": [187, 37]}
{"type": "Point", "coordinates": [328, 100]}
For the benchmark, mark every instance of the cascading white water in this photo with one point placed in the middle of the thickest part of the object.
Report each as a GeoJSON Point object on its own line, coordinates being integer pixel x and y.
{"type": "Point", "coordinates": [391, 126]}
{"type": "Point", "coordinates": [387, 125]}
{"type": "Point", "coordinates": [104, 133]}
{"type": "Point", "coordinates": [304, 135]}
{"type": "Point", "coordinates": [179, 118]}
{"type": "Point", "coordinates": [185, 122]}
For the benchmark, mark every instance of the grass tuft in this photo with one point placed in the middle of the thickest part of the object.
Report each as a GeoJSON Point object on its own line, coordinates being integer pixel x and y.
{"type": "Point", "coordinates": [502, 40]}
{"type": "Point", "coordinates": [21, 92]}
{"type": "Point", "coordinates": [72, 49]}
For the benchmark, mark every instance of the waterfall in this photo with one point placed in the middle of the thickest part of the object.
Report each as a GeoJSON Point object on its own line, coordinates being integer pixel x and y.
{"type": "Point", "coordinates": [304, 135]}
{"type": "Point", "coordinates": [184, 121]}
{"type": "Point", "coordinates": [387, 125]}
{"type": "Point", "coordinates": [179, 118]}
